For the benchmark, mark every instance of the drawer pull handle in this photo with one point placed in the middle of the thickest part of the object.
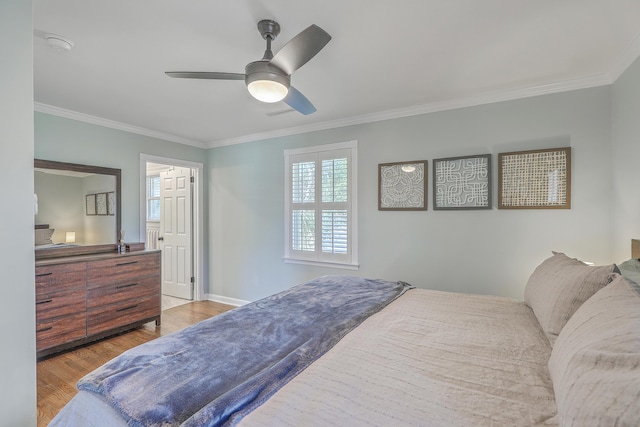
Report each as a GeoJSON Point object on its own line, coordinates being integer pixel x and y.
{"type": "Point", "coordinates": [44, 274]}
{"type": "Point", "coordinates": [46, 301]}
{"type": "Point", "coordinates": [45, 329]}
{"type": "Point", "coordinates": [126, 263]}
{"type": "Point", "coordinates": [127, 308]}
{"type": "Point", "coordinates": [126, 286]}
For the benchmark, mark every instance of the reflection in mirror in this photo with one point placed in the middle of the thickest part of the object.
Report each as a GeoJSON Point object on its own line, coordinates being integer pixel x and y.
{"type": "Point", "coordinates": [76, 206]}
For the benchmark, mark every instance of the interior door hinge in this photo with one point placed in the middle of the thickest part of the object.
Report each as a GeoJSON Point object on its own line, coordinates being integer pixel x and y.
{"type": "Point", "coordinates": [193, 280]}
{"type": "Point", "coordinates": [193, 179]}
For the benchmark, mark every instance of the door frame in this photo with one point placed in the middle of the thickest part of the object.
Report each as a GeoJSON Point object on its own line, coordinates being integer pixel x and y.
{"type": "Point", "coordinates": [198, 213]}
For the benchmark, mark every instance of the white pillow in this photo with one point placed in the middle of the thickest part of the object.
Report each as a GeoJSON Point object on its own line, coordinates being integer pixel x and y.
{"type": "Point", "coordinates": [595, 364]}
{"type": "Point", "coordinates": [559, 286]}
{"type": "Point", "coordinates": [43, 236]}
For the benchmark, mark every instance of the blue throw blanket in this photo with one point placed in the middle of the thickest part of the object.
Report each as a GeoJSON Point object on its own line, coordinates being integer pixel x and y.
{"type": "Point", "coordinates": [215, 372]}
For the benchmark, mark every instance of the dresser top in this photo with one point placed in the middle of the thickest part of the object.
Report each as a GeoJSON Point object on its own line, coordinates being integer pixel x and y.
{"type": "Point", "coordinates": [92, 257]}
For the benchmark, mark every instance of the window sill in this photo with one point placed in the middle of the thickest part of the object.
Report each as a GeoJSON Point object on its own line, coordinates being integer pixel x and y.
{"type": "Point", "coordinates": [322, 264]}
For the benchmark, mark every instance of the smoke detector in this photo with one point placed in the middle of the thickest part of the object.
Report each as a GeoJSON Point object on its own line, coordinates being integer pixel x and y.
{"type": "Point", "coordinates": [59, 43]}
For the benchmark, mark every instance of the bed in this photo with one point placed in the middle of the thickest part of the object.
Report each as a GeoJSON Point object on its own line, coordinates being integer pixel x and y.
{"type": "Point", "coordinates": [43, 234]}
{"type": "Point", "coordinates": [343, 350]}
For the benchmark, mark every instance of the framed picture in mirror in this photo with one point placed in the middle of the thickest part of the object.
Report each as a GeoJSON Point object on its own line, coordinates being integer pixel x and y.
{"type": "Point", "coordinates": [101, 203]}
{"type": "Point", "coordinates": [90, 202]}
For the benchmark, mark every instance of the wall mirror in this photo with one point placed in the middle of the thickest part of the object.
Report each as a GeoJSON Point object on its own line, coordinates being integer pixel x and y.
{"type": "Point", "coordinates": [77, 208]}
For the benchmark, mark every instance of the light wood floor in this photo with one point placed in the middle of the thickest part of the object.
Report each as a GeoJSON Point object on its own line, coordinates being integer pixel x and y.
{"type": "Point", "coordinates": [58, 375]}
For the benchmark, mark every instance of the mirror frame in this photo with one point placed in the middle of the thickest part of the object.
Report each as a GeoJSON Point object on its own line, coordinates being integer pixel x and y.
{"type": "Point", "coordinates": [88, 249]}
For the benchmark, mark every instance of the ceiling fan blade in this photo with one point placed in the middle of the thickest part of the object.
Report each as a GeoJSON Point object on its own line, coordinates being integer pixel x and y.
{"type": "Point", "coordinates": [205, 75]}
{"type": "Point", "coordinates": [301, 49]}
{"type": "Point", "coordinates": [299, 102]}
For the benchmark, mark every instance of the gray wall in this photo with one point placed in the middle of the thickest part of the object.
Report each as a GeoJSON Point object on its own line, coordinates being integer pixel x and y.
{"type": "Point", "coordinates": [490, 252]}
{"type": "Point", "coordinates": [487, 252]}
{"type": "Point", "coordinates": [17, 315]}
{"type": "Point", "coordinates": [61, 205]}
{"type": "Point", "coordinates": [626, 160]}
{"type": "Point", "coordinates": [72, 141]}
{"type": "Point", "coordinates": [98, 229]}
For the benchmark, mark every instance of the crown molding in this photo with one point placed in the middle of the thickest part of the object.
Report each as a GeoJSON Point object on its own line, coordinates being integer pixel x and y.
{"type": "Point", "coordinates": [487, 98]}
{"type": "Point", "coordinates": [94, 120]}
{"type": "Point", "coordinates": [625, 59]}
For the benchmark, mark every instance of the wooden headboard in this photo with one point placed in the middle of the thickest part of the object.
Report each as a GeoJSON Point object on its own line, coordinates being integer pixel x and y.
{"type": "Point", "coordinates": [635, 248]}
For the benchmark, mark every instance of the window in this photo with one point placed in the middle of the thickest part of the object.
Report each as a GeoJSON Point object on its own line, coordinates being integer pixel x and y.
{"type": "Point", "coordinates": [321, 205]}
{"type": "Point", "coordinates": [153, 198]}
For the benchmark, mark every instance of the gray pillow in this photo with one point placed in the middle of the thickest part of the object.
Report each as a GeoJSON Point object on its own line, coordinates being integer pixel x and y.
{"type": "Point", "coordinates": [43, 236]}
{"type": "Point", "coordinates": [630, 269]}
{"type": "Point", "coordinates": [559, 286]}
{"type": "Point", "coordinates": [595, 364]}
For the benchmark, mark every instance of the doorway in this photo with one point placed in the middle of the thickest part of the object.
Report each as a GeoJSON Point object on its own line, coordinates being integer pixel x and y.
{"type": "Point", "coordinates": [171, 217]}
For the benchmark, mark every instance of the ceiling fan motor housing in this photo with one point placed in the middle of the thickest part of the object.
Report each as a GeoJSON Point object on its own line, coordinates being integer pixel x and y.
{"type": "Point", "coordinates": [263, 70]}
{"type": "Point", "coordinates": [269, 29]}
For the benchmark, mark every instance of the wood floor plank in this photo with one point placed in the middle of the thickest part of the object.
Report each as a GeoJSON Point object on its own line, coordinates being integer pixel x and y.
{"type": "Point", "coordinates": [57, 375]}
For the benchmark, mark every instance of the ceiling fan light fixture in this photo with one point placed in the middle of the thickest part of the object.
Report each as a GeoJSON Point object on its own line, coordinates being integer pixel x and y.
{"type": "Point", "coordinates": [267, 90]}
{"type": "Point", "coordinates": [269, 79]}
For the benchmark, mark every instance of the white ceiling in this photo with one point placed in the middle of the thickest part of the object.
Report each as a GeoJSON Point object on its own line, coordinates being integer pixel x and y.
{"type": "Point", "coordinates": [386, 59]}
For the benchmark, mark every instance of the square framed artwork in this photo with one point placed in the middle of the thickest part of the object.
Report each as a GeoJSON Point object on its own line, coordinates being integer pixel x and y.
{"type": "Point", "coordinates": [101, 203]}
{"type": "Point", "coordinates": [90, 204]}
{"type": "Point", "coordinates": [535, 179]}
{"type": "Point", "coordinates": [402, 186]}
{"type": "Point", "coordinates": [462, 183]}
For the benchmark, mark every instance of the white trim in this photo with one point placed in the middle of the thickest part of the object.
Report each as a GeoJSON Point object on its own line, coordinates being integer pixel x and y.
{"type": "Point", "coordinates": [198, 206]}
{"type": "Point", "coordinates": [487, 98]}
{"type": "Point", "coordinates": [319, 148]}
{"type": "Point", "coordinates": [94, 120]}
{"type": "Point", "coordinates": [297, 257]}
{"type": "Point", "coordinates": [226, 300]}
{"type": "Point", "coordinates": [625, 59]}
{"type": "Point", "coordinates": [355, 243]}
{"type": "Point", "coordinates": [321, 263]}
{"type": "Point", "coordinates": [603, 79]}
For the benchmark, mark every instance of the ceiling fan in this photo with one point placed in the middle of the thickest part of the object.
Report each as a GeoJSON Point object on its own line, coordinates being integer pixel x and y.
{"type": "Point", "coordinates": [269, 79]}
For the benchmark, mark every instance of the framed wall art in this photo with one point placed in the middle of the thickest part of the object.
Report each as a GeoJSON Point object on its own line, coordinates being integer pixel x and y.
{"type": "Point", "coordinates": [462, 183]}
{"type": "Point", "coordinates": [535, 179]}
{"type": "Point", "coordinates": [111, 203]}
{"type": "Point", "coordinates": [402, 186]}
{"type": "Point", "coordinates": [101, 203]}
{"type": "Point", "coordinates": [90, 204]}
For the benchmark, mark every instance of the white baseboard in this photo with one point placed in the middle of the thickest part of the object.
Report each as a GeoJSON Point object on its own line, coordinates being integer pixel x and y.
{"type": "Point", "coordinates": [226, 300]}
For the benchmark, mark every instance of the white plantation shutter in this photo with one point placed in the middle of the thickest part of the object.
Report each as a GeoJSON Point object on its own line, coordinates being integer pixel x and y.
{"type": "Point", "coordinates": [335, 237]}
{"type": "Point", "coordinates": [153, 198]}
{"type": "Point", "coordinates": [320, 201]}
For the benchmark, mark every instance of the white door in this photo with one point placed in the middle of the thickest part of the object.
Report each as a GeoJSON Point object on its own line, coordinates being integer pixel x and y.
{"type": "Point", "coordinates": [175, 232]}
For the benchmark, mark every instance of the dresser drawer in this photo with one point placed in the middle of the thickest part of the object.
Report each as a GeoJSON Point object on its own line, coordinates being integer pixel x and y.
{"type": "Point", "coordinates": [61, 330]}
{"type": "Point", "coordinates": [62, 303]}
{"type": "Point", "coordinates": [116, 292]}
{"type": "Point", "coordinates": [122, 269]}
{"type": "Point", "coordinates": [53, 278]}
{"type": "Point", "coordinates": [121, 314]}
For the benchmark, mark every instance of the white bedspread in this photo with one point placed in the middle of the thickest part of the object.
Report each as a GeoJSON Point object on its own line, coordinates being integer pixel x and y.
{"type": "Point", "coordinates": [431, 359]}
{"type": "Point", "coordinates": [428, 359]}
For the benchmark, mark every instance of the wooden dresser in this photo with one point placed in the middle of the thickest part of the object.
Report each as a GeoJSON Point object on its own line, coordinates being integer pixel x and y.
{"type": "Point", "coordinates": [84, 298]}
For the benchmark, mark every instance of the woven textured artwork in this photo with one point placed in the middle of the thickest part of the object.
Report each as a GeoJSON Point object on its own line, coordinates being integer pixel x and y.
{"type": "Point", "coordinates": [402, 186]}
{"type": "Point", "coordinates": [535, 179]}
{"type": "Point", "coordinates": [462, 183]}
